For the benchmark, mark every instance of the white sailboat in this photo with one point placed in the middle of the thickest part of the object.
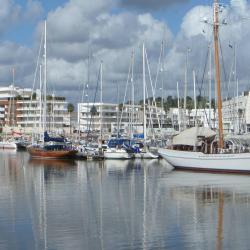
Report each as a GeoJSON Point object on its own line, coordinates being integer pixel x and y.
{"type": "Point", "coordinates": [145, 153]}
{"type": "Point", "coordinates": [8, 145]}
{"type": "Point", "coordinates": [116, 153]}
{"type": "Point", "coordinates": [196, 149]}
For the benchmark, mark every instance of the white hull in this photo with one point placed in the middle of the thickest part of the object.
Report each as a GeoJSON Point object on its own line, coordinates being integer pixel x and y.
{"type": "Point", "coordinates": [7, 145]}
{"type": "Point", "coordinates": [145, 155]}
{"type": "Point", "coordinates": [207, 162]}
{"type": "Point", "coordinates": [116, 154]}
{"type": "Point", "coordinates": [148, 155]}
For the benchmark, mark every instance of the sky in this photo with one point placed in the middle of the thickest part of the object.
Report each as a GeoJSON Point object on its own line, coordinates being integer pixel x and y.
{"type": "Point", "coordinates": [82, 33]}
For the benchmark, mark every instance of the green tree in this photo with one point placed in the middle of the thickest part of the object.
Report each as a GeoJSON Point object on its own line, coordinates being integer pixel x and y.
{"type": "Point", "coordinates": [70, 108]}
{"type": "Point", "coordinates": [34, 96]}
{"type": "Point", "coordinates": [93, 110]}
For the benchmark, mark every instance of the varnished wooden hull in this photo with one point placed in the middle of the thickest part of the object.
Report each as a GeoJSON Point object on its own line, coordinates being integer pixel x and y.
{"type": "Point", "coordinates": [58, 154]}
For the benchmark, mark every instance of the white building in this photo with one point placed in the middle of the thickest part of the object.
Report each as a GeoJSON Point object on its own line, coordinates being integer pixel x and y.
{"type": "Point", "coordinates": [202, 117]}
{"type": "Point", "coordinates": [107, 116]}
{"type": "Point", "coordinates": [236, 113]}
{"type": "Point", "coordinates": [18, 111]}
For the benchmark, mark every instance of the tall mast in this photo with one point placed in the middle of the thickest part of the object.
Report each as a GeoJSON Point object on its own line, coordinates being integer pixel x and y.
{"type": "Point", "coordinates": [45, 79]}
{"type": "Point", "coordinates": [178, 102]}
{"type": "Point", "coordinates": [185, 89]}
{"type": "Point", "coordinates": [210, 84]}
{"type": "Point", "coordinates": [13, 99]}
{"type": "Point", "coordinates": [132, 95]}
{"type": "Point", "coordinates": [40, 102]}
{"type": "Point", "coordinates": [217, 71]}
{"type": "Point", "coordinates": [195, 106]}
{"type": "Point", "coordinates": [101, 101]}
{"type": "Point", "coordinates": [144, 93]}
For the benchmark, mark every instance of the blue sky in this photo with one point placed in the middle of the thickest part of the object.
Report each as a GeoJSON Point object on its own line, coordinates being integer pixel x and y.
{"type": "Point", "coordinates": [113, 28]}
{"type": "Point", "coordinates": [172, 15]}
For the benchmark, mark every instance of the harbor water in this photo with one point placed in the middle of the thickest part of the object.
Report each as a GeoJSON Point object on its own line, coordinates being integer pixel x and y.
{"type": "Point", "coordinates": [112, 204]}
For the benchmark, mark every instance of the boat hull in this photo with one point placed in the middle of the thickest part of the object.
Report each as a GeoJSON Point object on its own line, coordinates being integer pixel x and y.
{"type": "Point", "coordinates": [7, 145]}
{"type": "Point", "coordinates": [232, 163]}
{"type": "Point", "coordinates": [116, 155]}
{"type": "Point", "coordinates": [60, 154]}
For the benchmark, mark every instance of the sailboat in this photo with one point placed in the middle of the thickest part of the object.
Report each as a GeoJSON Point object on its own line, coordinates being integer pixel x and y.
{"type": "Point", "coordinates": [51, 147]}
{"type": "Point", "coordinates": [196, 148]}
{"type": "Point", "coordinates": [145, 153]}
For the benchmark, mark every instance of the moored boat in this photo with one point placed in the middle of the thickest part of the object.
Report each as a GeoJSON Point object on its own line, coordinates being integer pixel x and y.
{"type": "Point", "coordinates": [43, 152]}
{"type": "Point", "coordinates": [7, 145]}
{"type": "Point", "coordinates": [224, 162]}
{"type": "Point", "coordinates": [116, 153]}
{"type": "Point", "coordinates": [197, 149]}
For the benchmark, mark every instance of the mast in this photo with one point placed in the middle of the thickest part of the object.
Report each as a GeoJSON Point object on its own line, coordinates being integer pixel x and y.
{"type": "Point", "coordinates": [40, 102]}
{"type": "Point", "coordinates": [195, 106]}
{"type": "Point", "coordinates": [45, 79]}
{"type": "Point", "coordinates": [132, 95]}
{"type": "Point", "coordinates": [117, 113]}
{"type": "Point", "coordinates": [13, 99]}
{"type": "Point", "coordinates": [210, 84]}
{"type": "Point", "coordinates": [101, 99]}
{"type": "Point", "coordinates": [162, 81]}
{"type": "Point", "coordinates": [178, 102]}
{"type": "Point", "coordinates": [144, 93]}
{"type": "Point", "coordinates": [185, 89]}
{"type": "Point", "coordinates": [217, 71]}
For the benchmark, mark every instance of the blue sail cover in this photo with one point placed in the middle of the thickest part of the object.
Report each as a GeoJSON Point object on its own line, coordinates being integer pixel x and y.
{"type": "Point", "coordinates": [138, 136]}
{"type": "Point", "coordinates": [47, 138]}
{"type": "Point", "coordinates": [112, 143]}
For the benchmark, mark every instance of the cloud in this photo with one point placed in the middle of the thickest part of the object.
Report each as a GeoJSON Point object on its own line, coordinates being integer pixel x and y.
{"type": "Point", "coordinates": [33, 10]}
{"type": "Point", "coordinates": [194, 34]}
{"type": "Point", "coordinates": [149, 4]}
{"type": "Point", "coordinates": [77, 30]}
{"type": "Point", "coordinates": [9, 14]}
{"type": "Point", "coordinates": [12, 14]}
{"type": "Point", "coordinates": [19, 57]}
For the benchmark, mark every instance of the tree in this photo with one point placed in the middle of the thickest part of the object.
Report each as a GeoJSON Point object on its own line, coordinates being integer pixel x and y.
{"type": "Point", "coordinates": [93, 110]}
{"type": "Point", "coordinates": [34, 96]}
{"type": "Point", "coordinates": [70, 109]}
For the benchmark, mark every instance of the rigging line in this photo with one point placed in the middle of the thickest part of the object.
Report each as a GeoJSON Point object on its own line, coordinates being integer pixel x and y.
{"type": "Point", "coordinates": [125, 95]}
{"type": "Point", "coordinates": [149, 105]}
{"type": "Point", "coordinates": [229, 79]}
{"type": "Point", "coordinates": [223, 64]}
{"type": "Point", "coordinates": [96, 90]}
{"type": "Point", "coordinates": [158, 67]}
{"type": "Point", "coordinates": [153, 90]}
{"type": "Point", "coordinates": [202, 81]}
{"type": "Point", "coordinates": [35, 76]}
{"type": "Point", "coordinates": [203, 74]}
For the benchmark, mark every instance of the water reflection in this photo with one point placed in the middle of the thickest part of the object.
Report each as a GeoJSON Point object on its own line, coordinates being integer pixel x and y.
{"type": "Point", "coordinates": [119, 205]}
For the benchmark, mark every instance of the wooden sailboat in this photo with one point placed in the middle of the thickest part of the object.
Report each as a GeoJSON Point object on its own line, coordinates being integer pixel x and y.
{"type": "Point", "coordinates": [204, 153]}
{"type": "Point", "coordinates": [50, 147]}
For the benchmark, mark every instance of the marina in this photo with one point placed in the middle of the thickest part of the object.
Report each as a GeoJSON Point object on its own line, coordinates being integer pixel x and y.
{"type": "Point", "coordinates": [114, 204]}
{"type": "Point", "coordinates": [124, 125]}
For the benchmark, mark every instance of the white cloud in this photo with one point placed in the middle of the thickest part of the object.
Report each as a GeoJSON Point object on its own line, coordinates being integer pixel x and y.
{"type": "Point", "coordinates": [9, 14]}
{"type": "Point", "coordinates": [19, 57]}
{"type": "Point", "coordinates": [77, 28]}
{"type": "Point", "coordinates": [80, 27]}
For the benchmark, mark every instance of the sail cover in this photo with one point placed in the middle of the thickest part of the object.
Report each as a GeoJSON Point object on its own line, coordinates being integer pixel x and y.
{"type": "Point", "coordinates": [192, 136]}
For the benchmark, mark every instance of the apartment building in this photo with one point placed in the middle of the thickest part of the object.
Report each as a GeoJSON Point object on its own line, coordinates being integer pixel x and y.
{"type": "Point", "coordinates": [236, 113]}
{"type": "Point", "coordinates": [18, 110]}
{"type": "Point", "coordinates": [108, 117]}
{"type": "Point", "coordinates": [201, 117]}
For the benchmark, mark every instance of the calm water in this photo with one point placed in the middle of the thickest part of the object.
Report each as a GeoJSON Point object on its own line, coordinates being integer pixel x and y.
{"type": "Point", "coordinates": [47, 204]}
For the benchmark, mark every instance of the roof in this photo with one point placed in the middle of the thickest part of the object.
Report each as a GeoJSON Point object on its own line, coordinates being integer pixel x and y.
{"type": "Point", "coordinates": [192, 136]}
